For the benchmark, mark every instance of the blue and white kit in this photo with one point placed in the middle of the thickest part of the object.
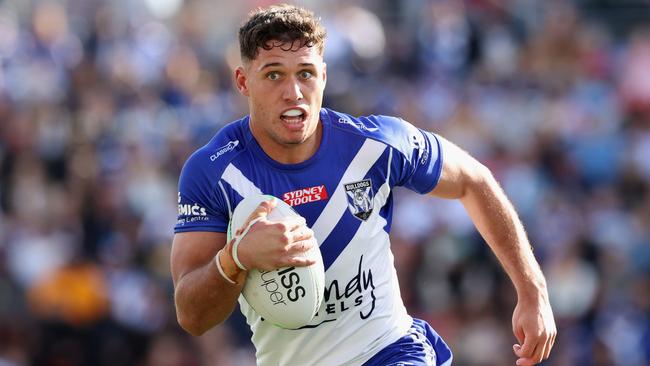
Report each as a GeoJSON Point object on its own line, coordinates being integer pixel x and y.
{"type": "Point", "coordinates": [344, 191]}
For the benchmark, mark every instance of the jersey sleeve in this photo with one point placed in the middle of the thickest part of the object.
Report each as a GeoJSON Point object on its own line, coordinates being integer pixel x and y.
{"type": "Point", "coordinates": [418, 162]}
{"type": "Point", "coordinates": [201, 205]}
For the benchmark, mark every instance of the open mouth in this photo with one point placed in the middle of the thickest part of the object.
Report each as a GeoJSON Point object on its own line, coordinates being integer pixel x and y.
{"type": "Point", "coordinates": [294, 116]}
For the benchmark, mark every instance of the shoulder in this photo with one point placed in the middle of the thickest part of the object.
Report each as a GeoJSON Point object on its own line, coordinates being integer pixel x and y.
{"type": "Point", "coordinates": [392, 131]}
{"type": "Point", "coordinates": [211, 159]}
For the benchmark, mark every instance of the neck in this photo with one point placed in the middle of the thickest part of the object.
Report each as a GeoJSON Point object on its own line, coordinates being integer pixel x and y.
{"type": "Point", "coordinates": [289, 153]}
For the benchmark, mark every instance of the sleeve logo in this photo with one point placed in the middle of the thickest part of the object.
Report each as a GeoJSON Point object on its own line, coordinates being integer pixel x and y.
{"type": "Point", "coordinates": [230, 146]}
{"type": "Point", "coordinates": [191, 212]}
{"type": "Point", "coordinates": [418, 143]}
{"type": "Point", "coordinates": [358, 125]}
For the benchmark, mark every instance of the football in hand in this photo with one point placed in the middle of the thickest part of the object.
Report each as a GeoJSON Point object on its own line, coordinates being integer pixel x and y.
{"type": "Point", "coordinates": [287, 297]}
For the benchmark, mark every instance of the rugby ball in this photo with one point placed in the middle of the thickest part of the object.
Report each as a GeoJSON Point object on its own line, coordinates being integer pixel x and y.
{"type": "Point", "coordinates": [288, 297]}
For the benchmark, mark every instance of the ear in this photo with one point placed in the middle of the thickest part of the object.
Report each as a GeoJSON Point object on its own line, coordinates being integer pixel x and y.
{"type": "Point", "coordinates": [241, 81]}
{"type": "Point", "coordinates": [324, 73]}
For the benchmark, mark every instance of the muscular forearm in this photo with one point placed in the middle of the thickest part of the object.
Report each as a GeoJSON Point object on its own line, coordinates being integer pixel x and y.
{"type": "Point", "coordinates": [498, 223]}
{"type": "Point", "coordinates": [205, 299]}
{"type": "Point", "coordinates": [464, 178]}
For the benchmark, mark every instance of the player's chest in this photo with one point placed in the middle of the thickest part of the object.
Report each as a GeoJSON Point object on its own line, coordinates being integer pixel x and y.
{"type": "Point", "coordinates": [321, 197]}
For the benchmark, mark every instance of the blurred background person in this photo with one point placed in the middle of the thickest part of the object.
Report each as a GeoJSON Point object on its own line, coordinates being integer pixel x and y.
{"type": "Point", "coordinates": [102, 101]}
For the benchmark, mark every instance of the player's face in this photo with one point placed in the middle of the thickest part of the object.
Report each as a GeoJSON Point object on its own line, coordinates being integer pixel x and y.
{"type": "Point", "coordinates": [285, 92]}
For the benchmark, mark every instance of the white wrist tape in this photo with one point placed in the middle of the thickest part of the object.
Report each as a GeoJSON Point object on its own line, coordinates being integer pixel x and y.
{"type": "Point", "coordinates": [220, 269]}
{"type": "Point", "coordinates": [238, 239]}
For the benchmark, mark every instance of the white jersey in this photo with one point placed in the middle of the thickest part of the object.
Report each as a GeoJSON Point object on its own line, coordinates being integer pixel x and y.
{"type": "Point", "coordinates": [344, 193]}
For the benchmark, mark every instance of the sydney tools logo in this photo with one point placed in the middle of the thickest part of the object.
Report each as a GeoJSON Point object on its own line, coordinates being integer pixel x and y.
{"type": "Point", "coordinates": [305, 195]}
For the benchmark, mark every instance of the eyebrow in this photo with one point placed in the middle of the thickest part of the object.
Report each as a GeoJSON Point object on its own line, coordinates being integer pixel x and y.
{"type": "Point", "coordinates": [274, 64]}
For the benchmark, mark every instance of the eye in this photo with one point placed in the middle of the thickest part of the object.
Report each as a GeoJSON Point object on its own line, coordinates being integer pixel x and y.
{"type": "Point", "coordinates": [273, 75]}
{"type": "Point", "coordinates": [305, 74]}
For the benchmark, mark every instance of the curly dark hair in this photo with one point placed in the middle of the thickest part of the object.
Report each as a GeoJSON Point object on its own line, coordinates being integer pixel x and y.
{"type": "Point", "coordinates": [286, 26]}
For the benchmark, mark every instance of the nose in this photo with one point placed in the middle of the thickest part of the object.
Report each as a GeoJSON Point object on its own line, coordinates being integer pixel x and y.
{"type": "Point", "coordinates": [292, 91]}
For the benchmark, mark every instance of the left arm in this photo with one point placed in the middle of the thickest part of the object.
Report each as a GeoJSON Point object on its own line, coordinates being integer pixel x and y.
{"type": "Point", "coordinates": [464, 178]}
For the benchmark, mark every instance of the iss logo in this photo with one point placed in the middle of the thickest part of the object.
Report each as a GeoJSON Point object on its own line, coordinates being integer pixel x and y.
{"type": "Point", "coordinates": [360, 196]}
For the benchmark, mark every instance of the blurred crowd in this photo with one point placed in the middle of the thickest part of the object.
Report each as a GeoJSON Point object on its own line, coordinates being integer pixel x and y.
{"type": "Point", "coordinates": [101, 102]}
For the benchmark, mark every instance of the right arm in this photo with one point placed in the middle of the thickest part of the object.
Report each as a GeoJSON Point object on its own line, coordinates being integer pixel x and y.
{"type": "Point", "coordinates": [202, 296]}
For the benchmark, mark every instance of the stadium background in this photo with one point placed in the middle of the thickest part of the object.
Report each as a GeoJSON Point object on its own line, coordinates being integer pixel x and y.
{"type": "Point", "coordinates": [102, 101]}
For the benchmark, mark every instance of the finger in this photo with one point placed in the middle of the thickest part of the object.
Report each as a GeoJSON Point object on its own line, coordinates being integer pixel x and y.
{"type": "Point", "coordinates": [303, 224]}
{"type": "Point", "coordinates": [540, 351]}
{"type": "Point", "coordinates": [300, 247]}
{"type": "Point", "coordinates": [299, 261]}
{"type": "Point", "coordinates": [292, 224]}
{"type": "Point", "coordinates": [549, 346]}
{"type": "Point", "coordinates": [520, 361]}
{"type": "Point", "coordinates": [554, 338]}
{"type": "Point", "coordinates": [533, 358]}
{"type": "Point", "coordinates": [262, 210]}
{"type": "Point", "coordinates": [519, 333]}
{"type": "Point", "coordinates": [525, 362]}
{"type": "Point", "coordinates": [302, 233]}
{"type": "Point", "coordinates": [527, 349]}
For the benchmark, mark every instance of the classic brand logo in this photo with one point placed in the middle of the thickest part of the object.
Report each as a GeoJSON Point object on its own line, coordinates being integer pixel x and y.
{"type": "Point", "coordinates": [360, 196]}
{"type": "Point", "coordinates": [358, 125]}
{"type": "Point", "coordinates": [305, 195]}
{"type": "Point", "coordinates": [230, 146]}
